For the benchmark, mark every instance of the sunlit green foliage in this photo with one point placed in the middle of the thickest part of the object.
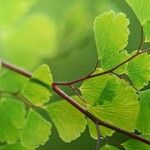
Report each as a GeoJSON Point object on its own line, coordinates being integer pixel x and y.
{"type": "Point", "coordinates": [29, 108]}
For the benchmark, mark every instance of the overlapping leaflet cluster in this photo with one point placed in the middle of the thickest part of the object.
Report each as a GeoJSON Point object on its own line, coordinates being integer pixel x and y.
{"type": "Point", "coordinates": [29, 126]}
{"type": "Point", "coordinates": [108, 97]}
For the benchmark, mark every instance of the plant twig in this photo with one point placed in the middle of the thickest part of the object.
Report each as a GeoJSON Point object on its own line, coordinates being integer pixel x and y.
{"type": "Point", "coordinates": [91, 75]}
{"type": "Point", "coordinates": [127, 81]}
{"type": "Point", "coordinates": [16, 69]}
{"type": "Point", "coordinates": [78, 106]}
{"type": "Point", "coordinates": [105, 72]}
{"type": "Point", "coordinates": [76, 90]}
{"type": "Point", "coordinates": [95, 119]}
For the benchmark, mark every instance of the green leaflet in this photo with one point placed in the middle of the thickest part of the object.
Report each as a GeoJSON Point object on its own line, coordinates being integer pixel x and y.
{"type": "Point", "coordinates": [108, 98]}
{"type": "Point", "coordinates": [92, 88]}
{"type": "Point", "coordinates": [12, 113]}
{"type": "Point", "coordinates": [93, 132]}
{"type": "Point", "coordinates": [117, 104]}
{"type": "Point", "coordinates": [109, 92]}
{"type": "Point", "coordinates": [143, 118]}
{"type": "Point", "coordinates": [92, 129]}
{"type": "Point", "coordinates": [36, 131]}
{"type": "Point", "coordinates": [137, 145]}
{"type": "Point", "coordinates": [141, 9]}
{"type": "Point", "coordinates": [16, 146]}
{"type": "Point", "coordinates": [138, 70]}
{"type": "Point", "coordinates": [108, 147]}
{"type": "Point", "coordinates": [111, 35]}
{"type": "Point", "coordinates": [70, 123]}
{"type": "Point", "coordinates": [38, 89]}
{"type": "Point", "coordinates": [11, 81]}
{"type": "Point", "coordinates": [147, 31]}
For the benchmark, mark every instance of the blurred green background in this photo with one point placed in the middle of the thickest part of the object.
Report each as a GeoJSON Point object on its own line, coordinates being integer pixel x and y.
{"type": "Point", "coordinates": [59, 33]}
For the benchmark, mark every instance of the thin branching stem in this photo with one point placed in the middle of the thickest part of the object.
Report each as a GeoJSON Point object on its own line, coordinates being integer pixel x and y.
{"type": "Point", "coordinates": [105, 72]}
{"type": "Point", "coordinates": [127, 81]}
{"type": "Point", "coordinates": [77, 92]}
{"type": "Point", "coordinates": [95, 119]}
{"type": "Point", "coordinates": [16, 69]}
{"type": "Point", "coordinates": [78, 106]}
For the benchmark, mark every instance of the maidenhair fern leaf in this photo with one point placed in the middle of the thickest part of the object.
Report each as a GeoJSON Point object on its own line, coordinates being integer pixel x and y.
{"type": "Point", "coordinates": [141, 9]}
{"type": "Point", "coordinates": [12, 113]}
{"type": "Point", "coordinates": [109, 97]}
{"type": "Point", "coordinates": [111, 35]}
{"type": "Point", "coordinates": [92, 88]}
{"type": "Point", "coordinates": [11, 81]}
{"type": "Point", "coordinates": [70, 123]}
{"type": "Point", "coordinates": [137, 145]}
{"type": "Point", "coordinates": [92, 129]}
{"type": "Point", "coordinates": [147, 31]}
{"type": "Point", "coordinates": [36, 131]}
{"type": "Point", "coordinates": [38, 89]}
{"type": "Point", "coordinates": [116, 109]}
{"type": "Point", "coordinates": [139, 70]}
{"type": "Point", "coordinates": [108, 147]}
{"type": "Point", "coordinates": [144, 119]}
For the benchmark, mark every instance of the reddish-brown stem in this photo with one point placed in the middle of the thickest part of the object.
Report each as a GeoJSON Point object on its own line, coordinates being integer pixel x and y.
{"type": "Point", "coordinates": [78, 106]}
{"type": "Point", "coordinates": [16, 69]}
{"type": "Point", "coordinates": [28, 74]}
{"type": "Point", "coordinates": [105, 72]}
{"type": "Point", "coordinates": [95, 119]}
